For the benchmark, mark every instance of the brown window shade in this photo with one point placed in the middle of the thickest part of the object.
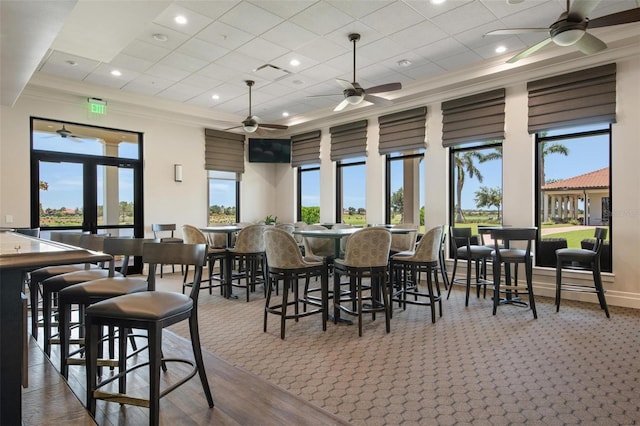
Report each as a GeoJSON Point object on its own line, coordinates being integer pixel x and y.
{"type": "Point", "coordinates": [402, 131]}
{"type": "Point", "coordinates": [305, 148]}
{"type": "Point", "coordinates": [349, 140]}
{"type": "Point", "coordinates": [223, 151]}
{"type": "Point", "coordinates": [476, 118]}
{"type": "Point", "coordinates": [581, 97]}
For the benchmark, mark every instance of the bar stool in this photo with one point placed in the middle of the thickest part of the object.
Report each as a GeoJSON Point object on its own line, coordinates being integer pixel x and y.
{"type": "Point", "coordinates": [287, 264]}
{"type": "Point", "coordinates": [406, 267]}
{"type": "Point", "coordinates": [366, 255]}
{"type": "Point", "coordinates": [151, 311]}
{"type": "Point", "coordinates": [193, 235]}
{"type": "Point", "coordinates": [249, 252]}
{"type": "Point", "coordinates": [89, 292]}
{"type": "Point", "coordinates": [510, 255]}
{"type": "Point", "coordinates": [472, 253]}
{"type": "Point", "coordinates": [582, 259]}
{"type": "Point", "coordinates": [160, 229]}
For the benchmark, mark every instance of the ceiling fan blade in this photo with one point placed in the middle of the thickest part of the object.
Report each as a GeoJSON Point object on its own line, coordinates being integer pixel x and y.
{"type": "Point", "coordinates": [581, 9]}
{"type": "Point", "coordinates": [590, 44]}
{"type": "Point", "coordinates": [389, 87]}
{"type": "Point", "coordinates": [513, 31]}
{"type": "Point", "coordinates": [342, 105]}
{"type": "Point", "coordinates": [346, 85]}
{"type": "Point", "coordinates": [274, 126]}
{"type": "Point", "coordinates": [377, 100]}
{"type": "Point", "coordinates": [624, 17]}
{"type": "Point", "coordinates": [529, 51]}
{"type": "Point", "coordinates": [322, 96]}
{"type": "Point", "coordinates": [233, 128]}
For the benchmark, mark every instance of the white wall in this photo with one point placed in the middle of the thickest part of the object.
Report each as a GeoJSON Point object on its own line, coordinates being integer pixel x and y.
{"type": "Point", "coordinates": [270, 189]}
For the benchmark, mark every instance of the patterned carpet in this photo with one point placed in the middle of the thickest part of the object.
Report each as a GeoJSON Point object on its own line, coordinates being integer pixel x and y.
{"type": "Point", "coordinates": [571, 367]}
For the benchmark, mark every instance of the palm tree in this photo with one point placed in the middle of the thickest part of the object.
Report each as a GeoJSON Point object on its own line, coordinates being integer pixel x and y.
{"type": "Point", "coordinates": [548, 148]}
{"type": "Point", "coordinates": [465, 166]}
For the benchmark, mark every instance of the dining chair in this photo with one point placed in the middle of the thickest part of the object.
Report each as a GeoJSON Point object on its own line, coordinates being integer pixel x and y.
{"type": "Point", "coordinates": [249, 252]}
{"type": "Point", "coordinates": [151, 311]}
{"type": "Point", "coordinates": [586, 260]}
{"type": "Point", "coordinates": [164, 232]}
{"type": "Point", "coordinates": [504, 253]}
{"type": "Point", "coordinates": [404, 242]}
{"type": "Point", "coordinates": [463, 249]}
{"type": "Point", "coordinates": [405, 268]}
{"type": "Point", "coordinates": [366, 256]}
{"type": "Point", "coordinates": [286, 263]}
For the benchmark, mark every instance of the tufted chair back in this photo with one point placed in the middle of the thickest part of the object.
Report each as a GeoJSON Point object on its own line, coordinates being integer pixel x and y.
{"type": "Point", "coordinates": [317, 246]}
{"type": "Point", "coordinates": [250, 239]}
{"type": "Point", "coordinates": [368, 247]}
{"type": "Point", "coordinates": [282, 250]}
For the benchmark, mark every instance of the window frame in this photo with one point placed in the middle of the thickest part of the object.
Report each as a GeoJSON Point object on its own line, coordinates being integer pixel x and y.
{"type": "Point", "coordinates": [299, 175]}
{"type": "Point", "coordinates": [237, 195]}
{"type": "Point", "coordinates": [340, 165]}
{"type": "Point", "coordinates": [389, 158]}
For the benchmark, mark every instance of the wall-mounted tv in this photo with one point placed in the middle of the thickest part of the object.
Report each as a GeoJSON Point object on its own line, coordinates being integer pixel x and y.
{"type": "Point", "coordinates": [262, 150]}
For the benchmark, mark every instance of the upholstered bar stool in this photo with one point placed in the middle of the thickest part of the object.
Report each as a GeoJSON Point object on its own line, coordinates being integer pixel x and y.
{"type": "Point", "coordinates": [586, 260]}
{"type": "Point", "coordinates": [193, 235]}
{"type": "Point", "coordinates": [151, 311]}
{"type": "Point", "coordinates": [249, 251]}
{"type": "Point", "coordinates": [285, 263]}
{"type": "Point", "coordinates": [87, 293]}
{"type": "Point", "coordinates": [472, 253]}
{"type": "Point", "coordinates": [366, 255]}
{"type": "Point", "coordinates": [51, 286]}
{"type": "Point", "coordinates": [407, 265]}
{"type": "Point", "coordinates": [317, 249]}
{"type": "Point", "coordinates": [505, 254]}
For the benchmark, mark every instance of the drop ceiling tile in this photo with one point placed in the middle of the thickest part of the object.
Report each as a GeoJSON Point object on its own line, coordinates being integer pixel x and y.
{"type": "Point", "coordinates": [322, 49]}
{"type": "Point", "coordinates": [321, 18]}
{"type": "Point", "coordinates": [423, 69]}
{"type": "Point", "coordinates": [239, 62]}
{"type": "Point", "coordinates": [545, 13]}
{"type": "Point", "coordinates": [475, 37]}
{"type": "Point", "coordinates": [202, 50]}
{"type": "Point", "coordinates": [458, 61]}
{"type": "Point", "coordinates": [148, 85]}
{"type": "Point", "coordinates": [289, 35]}
{"type": "Point", "coordinates": [380, 50]}
{"type": "Point", "coordinates": [441, 49]}
{"type": "Point", "coordinates": [367, 34]}
{"type": "Point", "coordinates": [180, 92]}
{"type": "Point", "coordinates": [76, 64]}
{"type": "Point", "coordinates": [217, 72]}
{"type": "Point", "coordinates": [166, 72]}
{"type": "Point", "coordinates": [211, 9]}
{"type": "Point", "coordinates": [174, 38]}
{"type": "Point", "coordinates": [123, 60]}
{"type": "Point", "coordinates": [284, 61]}
{"type": "Point", "coordinates": [501, 8]}
{"type": "Point", "coordinates": [318, 73]}
{"type": "Point", "coordinates": [195, 21]}
{"type": "Point", "coordinates": [392, 18]}
{"type": "Point", "coordinates": [513, 45]}
{"type": "Point", "coordinates": [102, 76]}
{"type": "Point", "coordinates": [358, 9]}
{"type": "Point", "coordinates": [463, 18]}
{"type": "Point", "coordinates": [250, 18]}
{"type": "Point", "coordinates": [283, 8]}
{"type": "Point", "coordinates": [418, 35]}
{"type": "Point", "coordinates": [65, 70]}
{"type": "Point", "coordinates": [183, 62]}
{"type": "Point", "coordinates": [201, 81]}
{"type": "Point", "coordinates": [143, 50]}
{"type": "Point", "coordinates": [224, 35]}
{"type": "Point", "coordinates": [262, 49]}
{"type": "Point", "coordinates": [430, 10]}
{"type": "Point", "coordinates": [204, 100]}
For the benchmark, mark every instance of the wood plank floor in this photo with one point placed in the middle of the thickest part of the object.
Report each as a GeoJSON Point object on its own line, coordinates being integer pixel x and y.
{"type": "Point", "coordinates": [240, 397]}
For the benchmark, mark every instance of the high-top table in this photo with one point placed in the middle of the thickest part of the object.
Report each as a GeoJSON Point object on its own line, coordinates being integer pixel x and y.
{"type": "Point", "coordinates": [20, 254]}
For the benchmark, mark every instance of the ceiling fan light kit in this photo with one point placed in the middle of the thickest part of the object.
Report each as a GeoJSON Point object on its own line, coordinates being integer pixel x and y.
{"type": "Point", "coordinates": [251, 124]}
{"type": "Point", "coordinates": [570, 29]}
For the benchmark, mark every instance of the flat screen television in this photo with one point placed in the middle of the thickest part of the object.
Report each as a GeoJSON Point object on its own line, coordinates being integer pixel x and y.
{"type": "Point", "coordinates": [262, 150]}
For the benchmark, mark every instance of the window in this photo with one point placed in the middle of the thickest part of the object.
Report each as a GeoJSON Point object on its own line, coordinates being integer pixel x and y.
{"type": "Point", "coordinates": [350, 191]}
{"type": "Point", "coordinates": [404, 188]}
{"type": "Point", "coordinates": [476, 184]}
{"type": "Point", "coordinates": [309, 194]}
{"type": "Point", "coordinates": [573, 188]}
{"type": "Point", "coordinates": [224, 196]}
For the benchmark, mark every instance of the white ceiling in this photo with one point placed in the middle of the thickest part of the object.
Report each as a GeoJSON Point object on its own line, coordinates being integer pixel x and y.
{"type": "Point", "coordinates": [226, 42]}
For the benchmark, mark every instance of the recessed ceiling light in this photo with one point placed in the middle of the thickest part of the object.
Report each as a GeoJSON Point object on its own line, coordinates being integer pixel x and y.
{"type": "Point", "coordinates": [501, 49]}
{"type": "Point", "coordinates": [294, 63]}
{"type": "Point", "coordinates": [437, 1]}
{"type": "Point", "coordinates": [116, 73]}
{"type": "Point", "coordinates": [180, 19]}
{"type": "Point", "coordinates": [404, 63]}
{"type": "Point", "coordinates": [215, 97]}
{"type": "Point", "coordinates": [285, 114]}
{"type": "Point", "coordinates": [160, 37]}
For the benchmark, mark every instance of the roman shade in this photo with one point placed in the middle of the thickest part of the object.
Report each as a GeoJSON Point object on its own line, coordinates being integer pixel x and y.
{"type": "Point", "coordinates": [402, 131]}
{"type": "Point", "coordinates": [223, 151]}
{"type": "Point", "coordinates": [349, 140]}
{"type": "Point", "coordinates": [476, 118]}
{"type": "Point", "coordinates": [581, 97]}
{"type": "Point", "coordinates": [305, 148]}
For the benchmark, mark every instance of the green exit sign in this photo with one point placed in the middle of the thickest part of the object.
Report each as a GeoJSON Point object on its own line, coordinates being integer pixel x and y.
{"type": "Point", "coordinates": [97, 106]}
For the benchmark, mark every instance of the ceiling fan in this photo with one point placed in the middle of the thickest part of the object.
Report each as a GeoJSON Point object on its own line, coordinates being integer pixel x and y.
{"type": "Point", "coordinates": [570, 29]}
{"type": "Point", "coordinates": [354, 93]}
{"type": "Point", "coordinates": [64, 133]}
{"type": "Point", "coordinates": [251, 123]}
